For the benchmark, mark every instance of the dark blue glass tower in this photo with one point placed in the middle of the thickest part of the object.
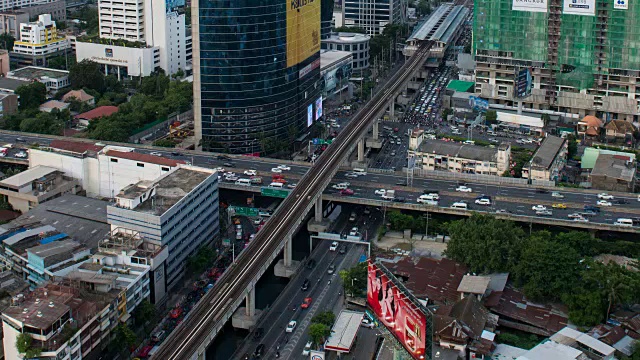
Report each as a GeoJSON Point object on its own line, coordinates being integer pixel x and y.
{"type": "Point", "coordinates": [249, 97]}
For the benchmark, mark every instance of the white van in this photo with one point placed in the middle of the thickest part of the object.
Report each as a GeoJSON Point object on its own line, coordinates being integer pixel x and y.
{"type": "Point", "coordinates": [459, 205]}
{"type": "Point", "coordinates": [624, 222]}
{"type": "Point", "coordinates": [243, 182]}
{"type": "Point", "coordinates": [359, 171]}
{"type": "Point", "coordinates": [276, 185]}
{"type": "Point", "coordinates": [430, 197]}
{"type": "Point", "coordinates": [386, 128]}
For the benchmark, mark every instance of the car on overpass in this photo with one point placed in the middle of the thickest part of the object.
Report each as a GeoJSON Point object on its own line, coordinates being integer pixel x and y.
{"type": "Point", "coordinates": [544, 213]}
{"type": "Point", "coordinates": [250, 172]}
{"type": "Point", "coordinates": [557, 195]}
{"type": "Point", "coordinates": [380, 191]}
{"type": "Point", "coordinates": [284, 167]}
{"type": "Point", "coordinates": [605, 196]}
{"type": "Point", "coordinates": [603, 203]}
{"type": "Point", "coordinates": [483, 201]}
{"type": "Point", "coordinates": [346, 192]}
{"type": "Point", "coordinates": [276, 170]}
{"type": "Point", "coordinates": [354, 231]}
{"type": "Point", "coordinates": [581, 219]}
{"type": "Point", "coordinates": [340, 186]}
{"type": "Point", "coordinates": [334, 246]}
{"type": "Point", "coordinates": [463, 188]}
{"type": "Point", "coordinates": [559, 206]}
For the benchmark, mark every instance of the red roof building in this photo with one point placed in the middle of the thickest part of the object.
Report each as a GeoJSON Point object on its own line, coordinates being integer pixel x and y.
{"type": "Point", "coordinates": [151, 159]}
{"type": "Point", "coordinates": [98, 112]}
{"type": "Point", "coordinates": [77, 147]}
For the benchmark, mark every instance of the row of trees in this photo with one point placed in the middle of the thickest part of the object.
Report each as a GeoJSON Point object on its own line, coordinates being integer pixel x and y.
{"type": "Point", "coordinates": [548, 267]}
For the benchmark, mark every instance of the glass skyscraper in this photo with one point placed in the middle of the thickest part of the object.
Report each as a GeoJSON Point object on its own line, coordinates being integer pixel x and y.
{"type": "Point", "coordinates": [256, 73]}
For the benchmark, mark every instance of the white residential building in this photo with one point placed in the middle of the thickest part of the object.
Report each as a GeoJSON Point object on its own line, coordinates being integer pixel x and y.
{"type": "Point", "coordinates": [40, 38]}
{"type": "Point", "coordinates": [102, 171]}
{"type": "Point", "coordinates": [14, 4]}
{"type": "Point", "coordinates": [157, 31]}
{"type": "Point", "coordinates": [462, 158]}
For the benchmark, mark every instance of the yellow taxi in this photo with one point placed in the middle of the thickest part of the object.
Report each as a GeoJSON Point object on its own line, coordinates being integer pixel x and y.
{"type": "Point", "coordinates": [559, 206]}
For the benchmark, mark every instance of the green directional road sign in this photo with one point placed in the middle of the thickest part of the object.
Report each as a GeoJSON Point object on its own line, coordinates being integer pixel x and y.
{"type": "Point", "coordinates": [265, 191]}
{"type": "Point", "coordinates": [246, 211]}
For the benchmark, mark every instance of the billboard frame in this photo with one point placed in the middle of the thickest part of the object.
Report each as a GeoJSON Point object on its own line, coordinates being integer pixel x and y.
{"type": "Point", "coordinates": [414, 302]}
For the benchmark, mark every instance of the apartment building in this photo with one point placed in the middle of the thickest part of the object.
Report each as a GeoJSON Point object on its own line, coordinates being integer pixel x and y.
{"type": "Point", "coordinates": [179, 210]}
{"type": "Point", "coordinates": [138, 37]}
{"type": "Point", "coordinates": [463, 158]}
{"type": "Point", "coordinates": [38, 42]}
{"type": "Point", "coordinates": [548, 161]}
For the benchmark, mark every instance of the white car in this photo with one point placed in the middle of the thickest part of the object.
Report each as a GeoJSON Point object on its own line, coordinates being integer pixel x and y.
{"type": "Point", "coordinates": [155, 154]}
{"type": "Point", "coordinates": [539, 208]}
{"type": "Point", "coordinates": [276, 170]}
{"type": "Point", "coordinates": [574, 216]}
{"type": "Point", "coordinates": [354, 231]}
{"type": "Point", "coordinates": [307, 349]}
{"type": "Point", "coordinates": [605, 196]}
{"type": "Point", "coordinates": [284, 167]}
{"type": "Point", "coordinates": [340, 186]}
{"type": "Point", "coordinates": [380, 192]}
{"type": "Point", "coordinates": [334, 246]}
{"type": "Point", "coordinates": [21, 154]}
{"type": "Point", "coordinates": [544, 213]}
{"type": "Point", "coordinates": [483, 201]}
{"type": "Point", "coordinates": [250, 172]}
{"type": "Point", "coordinates": [291, 326]}
{"type": "Point", "coordinates": [557, 195]}
{"type": "Point", "coordinates": [292, 186]}
{"type": "Point", "coordinates": [367, 323]}
{"type": "Point", "coordinates": [257, 221]}
{"type": "Point", "coordinates": [230, 173]}
{"type": "Point", "coordinates": [581, 219]}
{"type": "Point", "coordinates": [463, 189]}
{"type": "Point", "coordinates": [219, 169]}
{"type": "Point", "coordinates": [603, 203]}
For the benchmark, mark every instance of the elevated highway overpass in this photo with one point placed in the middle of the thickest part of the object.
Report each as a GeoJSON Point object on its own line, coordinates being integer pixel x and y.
{"type": "Point", "coordinates": [191, 338]}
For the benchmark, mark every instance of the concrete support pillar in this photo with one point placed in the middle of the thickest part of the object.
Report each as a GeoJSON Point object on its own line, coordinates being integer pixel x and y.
{"type": "Point", "coordinates": [376, 126]}
{"type": "Point", "coordinates": [288, 250]}
{"type": "Point", "coordinates": [392, 108]}
{"type": "Point", "coordinates": [318, 214]}
{"type": "Point", "coordinates": [250, 303]}
{"type": "Point", "coordinates": [519, 107]}
{"type": "Point", "coordinates": [361, 150]}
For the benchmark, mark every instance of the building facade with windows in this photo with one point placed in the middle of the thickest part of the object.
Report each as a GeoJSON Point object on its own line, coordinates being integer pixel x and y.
{"type": "Point", "coordinates": [356, 44]}
{"type": "Point", "coordinates": [38, 42]}
{"type": "Point", "coordinates": [138, 37]}
{"type": "Point", "coordinates": [462, 158]}
{"type": "Point", "coordinates": [552, 57]}
{"type": "Point", "coordinates": [179, 210]}
{"type": "Point", "coordinates": [255, 73]}
{"type": "Point", "coordinates": [373, 15]}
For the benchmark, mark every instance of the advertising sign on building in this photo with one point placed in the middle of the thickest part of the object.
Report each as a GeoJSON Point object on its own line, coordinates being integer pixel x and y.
{"type": "Point", "coordinates": [524, 81]}
{"type": "Point", "coordinates": [318, 108]}
{"type": "Point", "coordinates": [396, 312]}
{"type": "Point", "coordinates": [309, 115]}
{"type": "Point", "coordinates": [621, 4]}
{"type": "Point", "coordinates": [303, 30]}
{"type": "Point", "coordinates": [530, 5]}
{"type": "Point", "coordinates": [478, 104]}
{"type": "Point", "coordinates": [579, 7]}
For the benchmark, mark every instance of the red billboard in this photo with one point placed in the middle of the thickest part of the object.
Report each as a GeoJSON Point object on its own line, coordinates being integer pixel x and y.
{"type": "Point", "coordinates": [393, 309]}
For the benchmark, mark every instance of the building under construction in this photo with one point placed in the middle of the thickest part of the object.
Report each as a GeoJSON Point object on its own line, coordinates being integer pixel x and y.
{"type": "Point", "coordinates": [566, 57]}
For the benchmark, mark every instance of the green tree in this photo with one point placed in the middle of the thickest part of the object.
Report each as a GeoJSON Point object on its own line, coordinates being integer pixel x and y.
{"type": "Point", "coordinates": [23, 342]}
{"type": "Point", "coordinates": [484, 243]}
{"type": "Point", "coordinates": [318, 332]}
{"type": "Point", "coordinates": [6, 41]}
{"type": "Point", "coordinates": [87, 74]}
{"type": "Point", "coordinates": [546, 268]}
{"type": "Point", "coordinates": [491, 116]}
{"type": "Point", "coordinates": [144, 312]}
{"type": "Point", "coordinates": [545, 119]}
{"type": "Point", "coordinates": [580, 241]}
{"type": "Point", "coordinates": [327, 318]}
{"type": "Point", "coordinates": [43, 123]}
{"type": "Point", "coordinates": [124, 338]}
{"type": "Point", "coordinates": [586, 307]}
{"type": "Point", "coordinates": [572, 149]}
{"type": "Point", "coordinates": [31, 95]}
{"type": "Point", "coordinates": [616, 284]}
{"type": "Point", "coordinates": [467, 48]}
{"type": "Point", "coordinates": [187, 15]}
{"type": "Point", "coordinates": [423, 7]}
{"type": "Point", "coordinates": [354, 279]}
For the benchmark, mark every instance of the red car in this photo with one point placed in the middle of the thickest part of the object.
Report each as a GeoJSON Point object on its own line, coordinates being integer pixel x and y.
{"type": "Point", "coordinates": [306, 303]}
{"type": "Point", "coordinates": [346, 192]}
{"type": "Point", "coordinates": [144, 352]}
{"type": "Point", "coordinates": [175, 313]}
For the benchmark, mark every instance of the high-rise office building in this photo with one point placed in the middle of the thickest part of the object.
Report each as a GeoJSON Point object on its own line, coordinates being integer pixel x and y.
{"type": "Point", "coordinates": [138, 37]}
{"type": "Point", "coordinates": [373, 15]}
{"type": "Point", "coordinates": [559, 56]}
{"type": "Point", "coordinates": [326, 15]}
{"type": "Point", "coordinates": [256, 73]}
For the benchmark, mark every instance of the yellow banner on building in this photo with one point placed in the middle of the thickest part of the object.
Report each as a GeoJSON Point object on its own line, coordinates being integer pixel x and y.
{"type": "Point", "coordinates": [303, 30]}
